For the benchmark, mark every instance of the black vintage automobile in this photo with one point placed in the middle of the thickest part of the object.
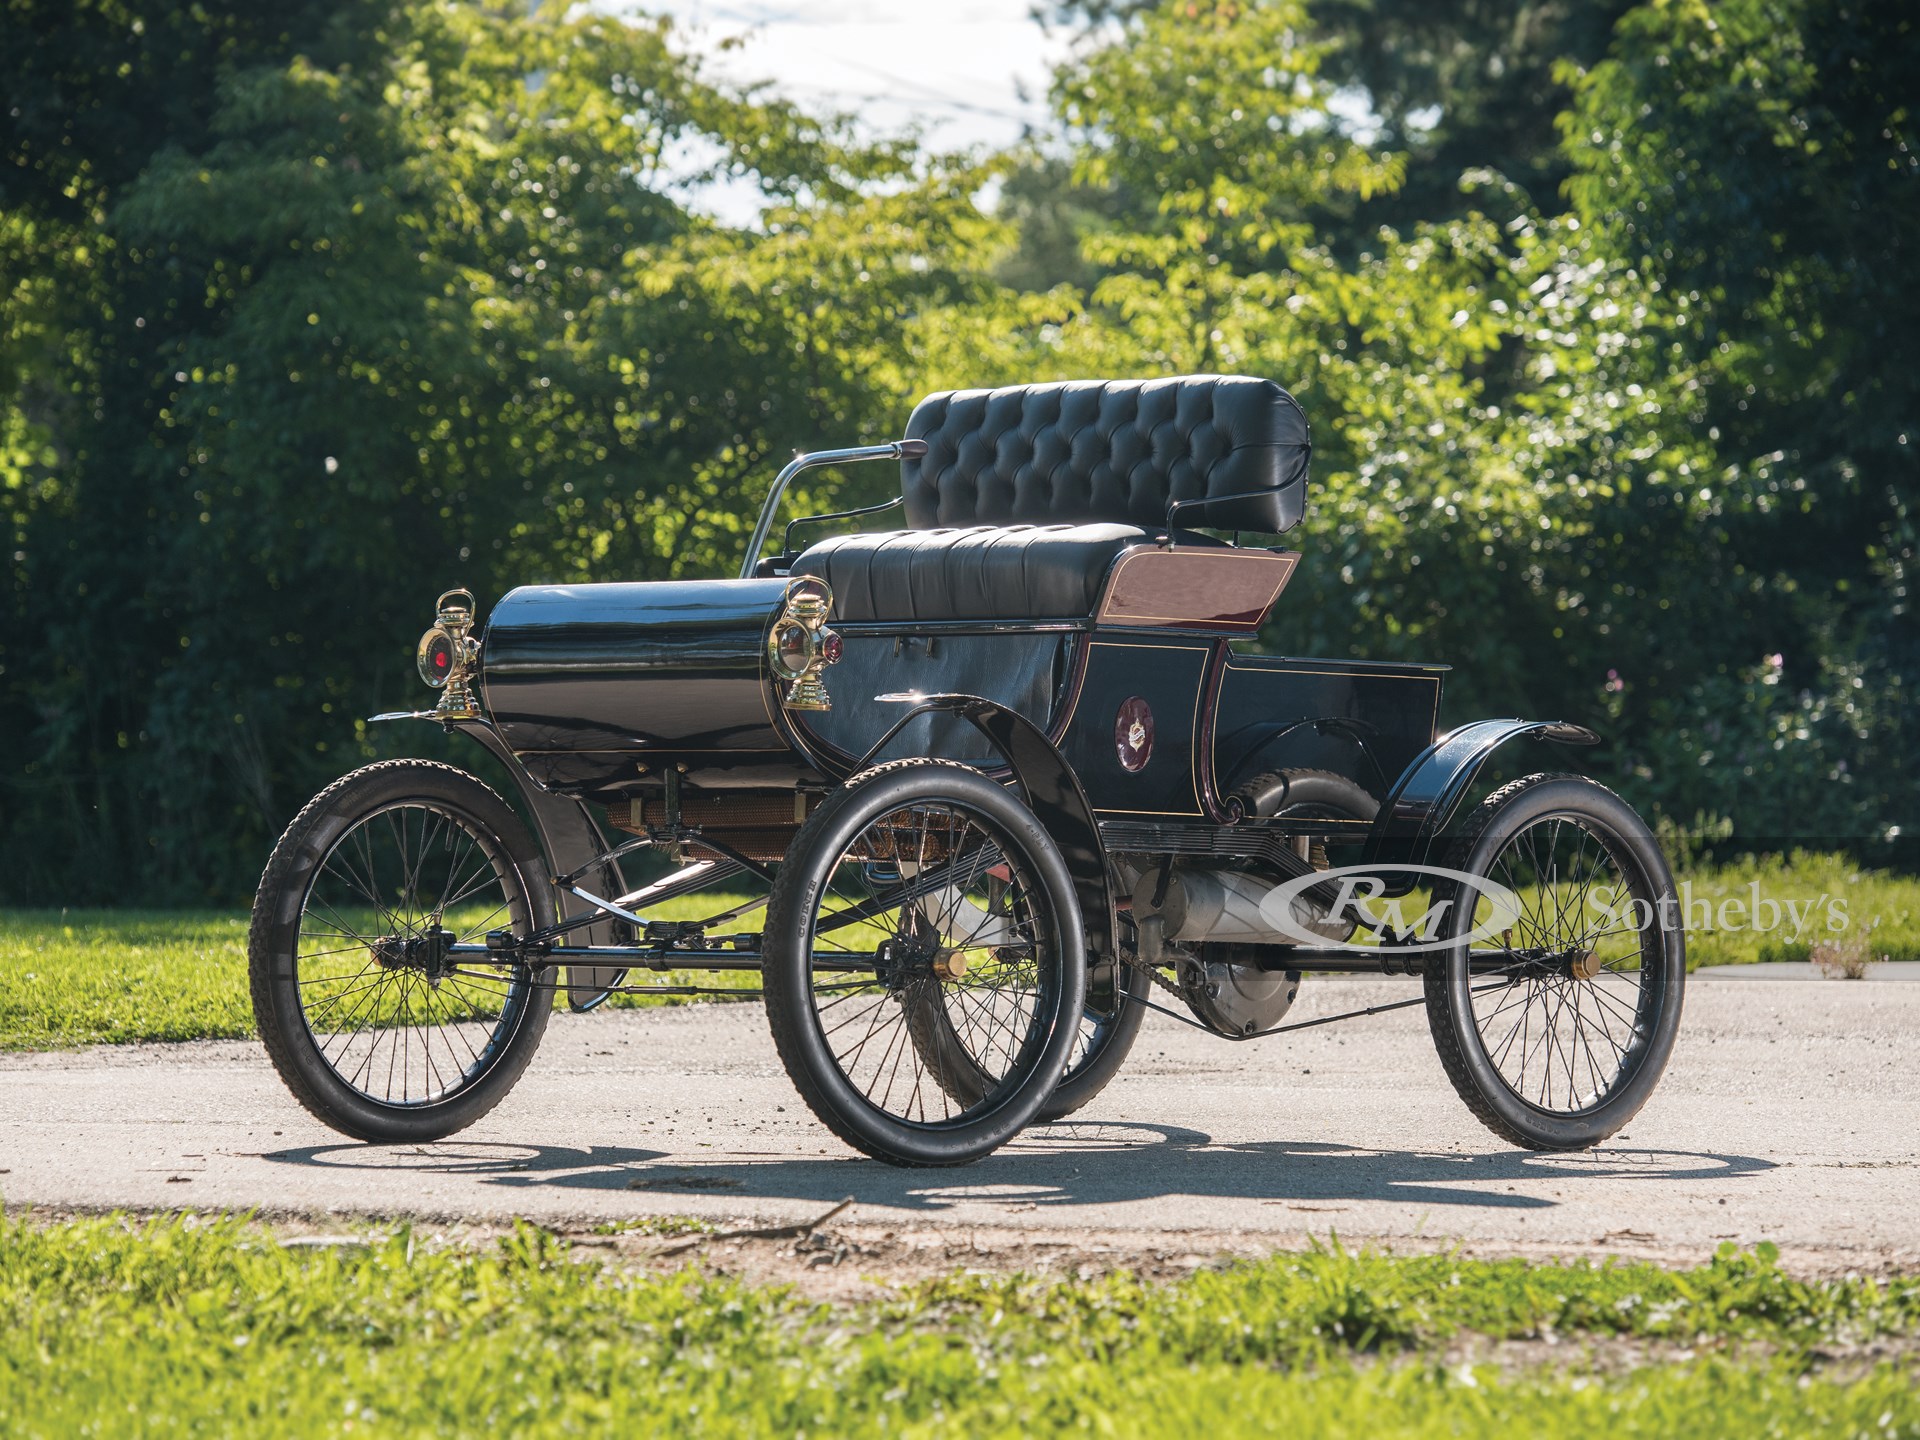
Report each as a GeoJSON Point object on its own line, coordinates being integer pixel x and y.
{"type": "Point", "coordinates": [968, 798]}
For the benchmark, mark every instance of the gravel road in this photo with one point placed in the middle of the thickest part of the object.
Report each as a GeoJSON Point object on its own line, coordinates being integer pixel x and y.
{"type": "Point", "coordinates": [1791, 1113]}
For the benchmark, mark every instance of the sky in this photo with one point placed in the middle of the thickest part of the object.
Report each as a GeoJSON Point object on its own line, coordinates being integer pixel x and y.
{"type": "Point", "coordinates": [967, 72]}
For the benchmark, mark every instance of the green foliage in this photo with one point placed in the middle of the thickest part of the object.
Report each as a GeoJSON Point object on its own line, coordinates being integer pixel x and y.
{"type": "Point", "coordinates": [1760, 161]}
{"type": "Point", "coordinates": [212, 1326]}
{"type": "Point", "coordinates": [368, 320]}
{"type": "Point", "coordinates": [310, 311]}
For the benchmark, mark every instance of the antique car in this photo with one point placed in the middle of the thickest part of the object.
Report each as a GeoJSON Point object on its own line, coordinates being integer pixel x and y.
{"type": "Point", "coordinates": [966, 799]}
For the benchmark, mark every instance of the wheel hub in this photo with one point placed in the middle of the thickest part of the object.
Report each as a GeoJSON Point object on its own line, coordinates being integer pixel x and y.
{"type": "Point", "coordinates": [1553, 965]}
{"type": "Point", "coordinates": [426, 952]}
{"type": "Point", "coordinates": [901, 961]}
{"type": "Point", "coordinates": [950, 964]}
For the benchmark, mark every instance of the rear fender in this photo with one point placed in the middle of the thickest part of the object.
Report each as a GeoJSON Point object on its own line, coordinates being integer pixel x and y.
{"type": "Point", "coordinates": [1429, 791]}
{"type": "Point", "coordinates": [1052, 791]}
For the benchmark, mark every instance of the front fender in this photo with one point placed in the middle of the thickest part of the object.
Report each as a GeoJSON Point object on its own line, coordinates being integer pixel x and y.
{"type": "Point", "coordinates": [1423, 800]}
{"type": "Point", "coordinates": [1054, 795]}
{"type": "Point", "coordinates": [569, 837]}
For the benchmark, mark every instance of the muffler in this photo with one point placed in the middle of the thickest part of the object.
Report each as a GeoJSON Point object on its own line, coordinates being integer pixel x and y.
{"type": "Point", "coordinates": [1189, 904]}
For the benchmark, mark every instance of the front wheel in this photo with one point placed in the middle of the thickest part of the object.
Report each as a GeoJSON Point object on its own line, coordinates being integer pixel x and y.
{"type": "Point", "coordinates": [922, 885]}
{"type": "Point", "coordinates": [1555, 1011]}
{"type": "Point", "coordinates": [375, 1026]}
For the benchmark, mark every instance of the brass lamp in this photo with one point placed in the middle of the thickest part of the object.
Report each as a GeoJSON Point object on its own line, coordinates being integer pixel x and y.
{"type": "Point", "coordinates": [446, 654]}
{"type": "Point", "coordinates": [800, 645]}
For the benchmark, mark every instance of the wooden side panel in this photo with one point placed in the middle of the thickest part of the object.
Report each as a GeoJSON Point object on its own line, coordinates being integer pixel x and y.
{"type": "Point", "coordinates": [1229, 591]}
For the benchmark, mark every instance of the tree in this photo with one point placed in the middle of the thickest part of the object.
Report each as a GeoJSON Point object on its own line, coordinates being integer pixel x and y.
{"type": "Point", "coordinates": [1451, 85]}
{"type": "Point", "coordinates": [1760, 159]}
{"type": "Point", "coordinates": [425, 313]}
{"type": "Point", "coordinates": [1515, 468]}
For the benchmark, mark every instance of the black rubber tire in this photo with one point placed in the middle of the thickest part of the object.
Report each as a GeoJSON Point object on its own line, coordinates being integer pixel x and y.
{"type": "Point", "coordinates": [1106, 1050]}
{"type": "Point", "coordinates": [1306, 791]}
{"type": "Point", "coordinates": [791, 912]}
{"type": "Point", "coordinates": [1097, 1057]}
{"type": "Point", "coordinates": [1628, 841]}
{"type": "Point", "coordinates": [272, 944]}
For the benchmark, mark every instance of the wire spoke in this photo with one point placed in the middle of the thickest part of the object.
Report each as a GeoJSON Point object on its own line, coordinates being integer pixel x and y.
{"type": "Point", "coordinates": [954, 1012]}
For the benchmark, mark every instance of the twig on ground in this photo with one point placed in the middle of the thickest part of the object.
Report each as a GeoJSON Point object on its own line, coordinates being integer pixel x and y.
{"type": "Point", "coordinates": [795, 1231]}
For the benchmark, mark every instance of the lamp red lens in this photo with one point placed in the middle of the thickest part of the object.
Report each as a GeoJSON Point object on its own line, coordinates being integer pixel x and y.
{"type": "Point", "coordinates": [436, 658]}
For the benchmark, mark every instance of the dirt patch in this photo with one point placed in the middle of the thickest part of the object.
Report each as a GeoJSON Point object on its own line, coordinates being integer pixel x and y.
{"type": "Point", "coordinates": [838, 1257]}
{"type": "Point", "coordinates": [847, 1260]}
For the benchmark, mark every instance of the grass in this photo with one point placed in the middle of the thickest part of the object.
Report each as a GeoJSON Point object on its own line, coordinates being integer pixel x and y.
{"type": "Point", "coordinates": [112, 976]}
{"type": "Point", "coordinates": [1837, 898]}
{"type": "Point", "coordinates": [191, 1327]}
{"type": "Point", "coordinates": [89, 977]}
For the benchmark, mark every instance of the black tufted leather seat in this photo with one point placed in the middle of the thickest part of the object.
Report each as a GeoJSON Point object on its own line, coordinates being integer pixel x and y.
{"type": "Point", "coordinates": [1027, 494]}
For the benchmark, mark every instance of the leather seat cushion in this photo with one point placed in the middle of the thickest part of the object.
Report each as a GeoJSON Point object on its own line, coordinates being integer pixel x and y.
{"type": "Point", "coordinates": [983, 572]}
{"type": "Point", "coordinates": [1120, 450]}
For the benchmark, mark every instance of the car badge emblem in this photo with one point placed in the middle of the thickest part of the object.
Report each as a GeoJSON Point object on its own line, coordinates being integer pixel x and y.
{"type": "Point", "coordinates": [1133, 734]}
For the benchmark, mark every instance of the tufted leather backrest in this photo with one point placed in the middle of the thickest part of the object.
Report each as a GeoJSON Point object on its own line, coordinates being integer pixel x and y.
{"type": "Point", "coordinates": [1120, 450]}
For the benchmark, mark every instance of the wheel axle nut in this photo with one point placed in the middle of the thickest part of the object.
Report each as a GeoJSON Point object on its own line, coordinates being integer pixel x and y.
{"type": "Point", "coordinates": [950, 966]}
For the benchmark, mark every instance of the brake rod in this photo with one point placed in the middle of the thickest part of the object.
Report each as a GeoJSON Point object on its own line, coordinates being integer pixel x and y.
{"type": "Point", "coordinates": [1298, 1024]}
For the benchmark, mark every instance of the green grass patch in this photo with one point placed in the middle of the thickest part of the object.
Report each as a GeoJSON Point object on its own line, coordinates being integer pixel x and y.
{"type": "Point", "coordinates": [108, 1326]}
{"type": "Point", "coordinates": [89, 977]}
{"type": "Point", "coordinates": [1803, 899]}
{"type": "Point", "coordinates": [110, 976]}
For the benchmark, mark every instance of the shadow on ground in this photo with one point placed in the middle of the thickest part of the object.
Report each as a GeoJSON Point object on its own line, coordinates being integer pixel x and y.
{"type": "Point", "coordinates": [1063, 1165]}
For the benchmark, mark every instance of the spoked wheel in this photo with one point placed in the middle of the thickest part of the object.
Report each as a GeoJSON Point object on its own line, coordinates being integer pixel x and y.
{"type": "Point", "coordinates": [1555, 1030]}
{"type": "Point", "coordinates": [373, 1026]}
{"type": "Point", "coordinates": [920, 888]}
{"type": "Point", "coordinates": [1100, 1047]}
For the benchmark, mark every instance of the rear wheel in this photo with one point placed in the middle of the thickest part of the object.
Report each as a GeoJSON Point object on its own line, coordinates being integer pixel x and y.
{"type": "Point", "coordinates": [1557, 1035]}
{"type": "Point", "coordinates": [372, 1025]}
{"type": "Point", "coordinates": [919, 886]}
{"type": "Point", "coordinates": [1099, 1050]}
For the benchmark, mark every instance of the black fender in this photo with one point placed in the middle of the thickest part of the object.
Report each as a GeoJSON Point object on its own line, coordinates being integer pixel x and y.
{"type": "Point", "coordinates": [1054, 794]}
{"type": "Point", "coordinates": [1423, 800]}
{"type": "Point", "coordinates": [570, 838]}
